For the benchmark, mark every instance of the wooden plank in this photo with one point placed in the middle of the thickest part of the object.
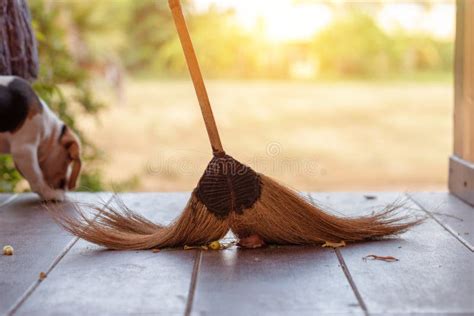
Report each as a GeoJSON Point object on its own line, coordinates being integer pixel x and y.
{"type": "Point", "coordinates": [461, 179]}
{"type": "Point", "coordinates": [468, 82]}
{"type": "Point", "coordinates": [286, 281]}
{"type": "Point", "coordinates": [270, 281]}
{"type": "Point", "coordinates": [461, 164]}
{"type": "Point", "coordinates": [455, 215]}
{"type": "Point", "coordinates": [434, 274]}
{"type": "Point", "coordinates": [464, 82]}
{"type": "Point", "coordinates": [459, 80]}
{"type": "Point", "coordinates": [37, 240]}
{"type": "Point", "coordinates": [91, 280]}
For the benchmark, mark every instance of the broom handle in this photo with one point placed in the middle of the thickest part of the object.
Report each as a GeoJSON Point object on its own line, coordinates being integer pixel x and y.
{"type": "Point", "coordinates": [196, 76]}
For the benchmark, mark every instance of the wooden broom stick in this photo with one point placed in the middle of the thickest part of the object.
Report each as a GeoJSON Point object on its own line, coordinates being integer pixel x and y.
{"type": "Point", "coordinates": [196, 76]}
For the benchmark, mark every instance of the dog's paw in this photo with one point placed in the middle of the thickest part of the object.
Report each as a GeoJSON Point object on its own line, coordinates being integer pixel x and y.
{"type": "Point", "coordinates": [53, 195]}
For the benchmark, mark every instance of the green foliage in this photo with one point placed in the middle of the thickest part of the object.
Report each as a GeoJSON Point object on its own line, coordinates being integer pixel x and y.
{"type": "Point", "coordinates": [9, 176]}
{"type": "Point", "coordinates": [354, 46]}
{"type": "Point", "coordinates": [148, 29]}
{"type": "Point", "coordinates": [63, 83]}
{"type": "Point", "coordinates": [154, 49]}
{"type": "Point", "coordinates": [62, 71]}
{"type": "Point", "coordinates": [225, 50]}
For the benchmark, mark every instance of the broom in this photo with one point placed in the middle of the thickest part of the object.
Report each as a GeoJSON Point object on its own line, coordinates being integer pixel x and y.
{"type": "Point", "coordinates": [230, 195]}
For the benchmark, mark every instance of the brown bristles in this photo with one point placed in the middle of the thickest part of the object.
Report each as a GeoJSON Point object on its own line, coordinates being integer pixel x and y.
{"type": "Point", "coordinates": [279, 216]}
{"type": "Point", "coordinates": [282, 216]}
{"type": "Point", "coordinates": [124, 229]}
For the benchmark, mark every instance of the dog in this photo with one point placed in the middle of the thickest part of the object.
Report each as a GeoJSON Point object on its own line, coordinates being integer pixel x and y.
{"type": "Point", "coordinates": [46, 152]}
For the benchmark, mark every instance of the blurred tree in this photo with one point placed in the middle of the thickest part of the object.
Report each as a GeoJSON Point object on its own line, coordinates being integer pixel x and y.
{"type": "Point", "coordinates": [148, 29]}
{"type": "Point", "coordinates": [353, 45]}
{"type": "Point", "coordinates": [153, 47]}
{"type": "Point", "coordinates": [224, 49]}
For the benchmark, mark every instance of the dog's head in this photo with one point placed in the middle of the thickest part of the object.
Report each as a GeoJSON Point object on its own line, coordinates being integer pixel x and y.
{"type": "Point", "coordinates": [60, 161]}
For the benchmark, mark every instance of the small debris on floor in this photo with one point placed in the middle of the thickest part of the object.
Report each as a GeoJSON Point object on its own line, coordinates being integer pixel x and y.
{"type": "Point", "coordinates": [215, 245]}
{"type": "Point", "coordinates": [155, 250]}
{"type": "Point", "coordinates": [334, 244]}
{"type": "Point", "coordinates": [370, 197]}
{"type": "Point", "coordinates": [8, 250]}
{"type": "Point", "coordinates": [229, 244]}
{"type": "Point", "coordinates": [42, 276]}
{"type": "Point", "coordinates": [381, 258]}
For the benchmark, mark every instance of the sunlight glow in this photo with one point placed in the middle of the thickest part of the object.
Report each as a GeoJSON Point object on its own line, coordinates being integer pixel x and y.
{"type": "Point", "coordinates": [439, 21]}
{"type": "Point", "coordinates": [284, 20]}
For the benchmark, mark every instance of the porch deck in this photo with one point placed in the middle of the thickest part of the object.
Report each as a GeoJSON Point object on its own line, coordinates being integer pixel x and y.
{"type": "Point", "coordinates": [434, 274]}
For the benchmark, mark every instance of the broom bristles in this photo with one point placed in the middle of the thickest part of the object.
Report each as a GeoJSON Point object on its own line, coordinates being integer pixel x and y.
{"type": "Point", "coordinates": [124, 229]}
{"type": "Point", "coordinates": [282, 216]}
{"type": "Point", "coordinates": [279, 216]}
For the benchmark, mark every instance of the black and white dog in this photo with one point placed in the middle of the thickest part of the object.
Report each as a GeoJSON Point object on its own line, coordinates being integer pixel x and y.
{"type": "Point", "coordinates": [45, 151]}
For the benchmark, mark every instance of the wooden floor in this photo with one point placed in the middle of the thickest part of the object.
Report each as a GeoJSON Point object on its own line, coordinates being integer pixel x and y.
{"type": "Point", "coordinates": [434, 274]}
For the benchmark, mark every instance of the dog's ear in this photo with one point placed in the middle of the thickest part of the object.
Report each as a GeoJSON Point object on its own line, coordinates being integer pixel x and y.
{"type": "Point", "coordinates": [73, 147]}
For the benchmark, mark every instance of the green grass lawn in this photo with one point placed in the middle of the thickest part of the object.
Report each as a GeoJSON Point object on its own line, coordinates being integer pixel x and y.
{"type": "Point", "coordinates": [312, 136]}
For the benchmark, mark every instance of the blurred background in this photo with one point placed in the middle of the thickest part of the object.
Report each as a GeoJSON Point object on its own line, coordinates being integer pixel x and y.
{"type": "Point", "coordinates": [324, 95]}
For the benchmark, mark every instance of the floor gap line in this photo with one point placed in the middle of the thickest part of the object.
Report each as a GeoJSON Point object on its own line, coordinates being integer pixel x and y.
{"type": "Point", "coordinates": [55, 262]}
{"type": "Point", "coordinates": [349, 278]}
{"type": "Point", "coordinates": [192, 286]}
{"type": "Point", "coordinates": [345, 269]}
{"type": "Point", "coordinates": [33, 287]}
{"type": "Point", "coordinates": [448, 229]}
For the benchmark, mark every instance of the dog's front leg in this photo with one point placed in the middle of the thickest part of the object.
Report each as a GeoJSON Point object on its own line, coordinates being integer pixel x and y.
{"type": "Point", "coordinates": [26, 160]}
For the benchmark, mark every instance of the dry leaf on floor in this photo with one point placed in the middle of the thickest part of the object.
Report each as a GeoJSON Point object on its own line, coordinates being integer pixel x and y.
{"type": "Point", "coordinates": [381, 258]}
{"type": "Point", "coordinates": [42, 276]}
{"type": "Point", "coordinates": [334, 244]}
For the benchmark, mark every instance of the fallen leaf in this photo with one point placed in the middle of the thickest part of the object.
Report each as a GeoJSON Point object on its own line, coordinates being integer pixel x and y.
{"type": "Point", "coordinates": [334, 244]}
{"type": "Point", "coordinates": [42, 276]}
{"type": "Point", "coordinates": [381, 258]}
{"type": "Point", "coordinates": [155, 250]}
